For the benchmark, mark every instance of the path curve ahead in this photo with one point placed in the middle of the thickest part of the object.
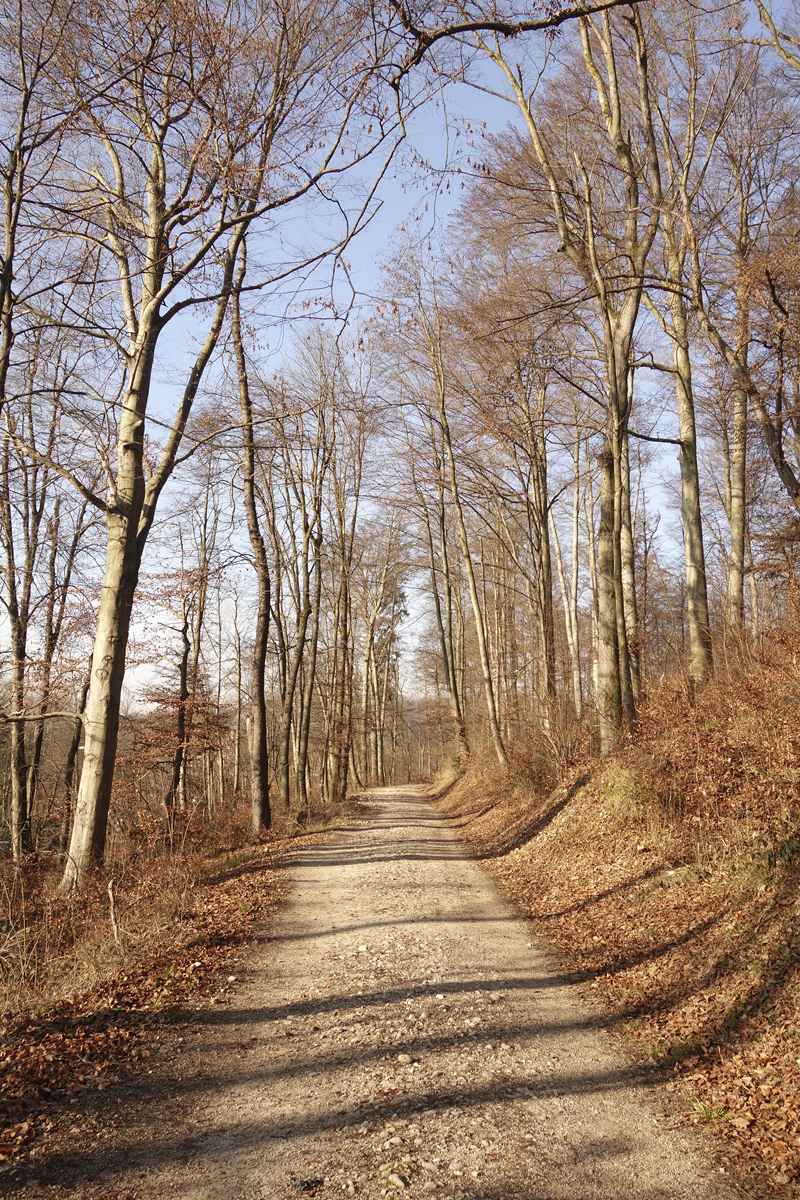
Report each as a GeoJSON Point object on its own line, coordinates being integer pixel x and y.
{"type": "Point", "coordinates": [402, 1031]}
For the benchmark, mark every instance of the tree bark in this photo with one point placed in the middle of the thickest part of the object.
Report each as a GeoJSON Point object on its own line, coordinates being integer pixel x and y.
{"type": "Point", "coordinates": [628, 552]}
{"type": "Point", "coordinates": [738, 510]}
{"type": "Point", "coordinates": [578, 238]}
{"type": "Point", "coordinates": [608, 699]}
{"type": "Point", "coordinates": [260, 813]}
{"type": "Point", "coordinates": [70, 766]}
{"type": "Point", "coordinates": [446, 645]}
{"type": "Point", "coordinates": [301, 790]}
{"type": "Point", "coordinates": [466, 555]}
{"type": "Point", "coordinates": [700, 651]}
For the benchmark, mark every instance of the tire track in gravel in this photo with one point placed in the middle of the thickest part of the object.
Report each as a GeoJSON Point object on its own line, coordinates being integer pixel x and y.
{"type": "Point", "coordinates": [403, 1032]}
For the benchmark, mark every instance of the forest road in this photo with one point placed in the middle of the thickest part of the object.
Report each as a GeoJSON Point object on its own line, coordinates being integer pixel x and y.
{"type": "Point", "coordinates": [402, 1031]}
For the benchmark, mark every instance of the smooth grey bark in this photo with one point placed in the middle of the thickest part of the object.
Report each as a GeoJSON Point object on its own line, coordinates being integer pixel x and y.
{"type": "Point", "coordinates": [689, 132]}
{"type": "Point", "coordinates": [608, 699]}
{"type": "Point", "coordinates": [347, 478]}
{"type": "Point", "coordinates": [26, 486]}
{"type": "Point", "coordinates": [372, 606]}
{"type": "Point", "coordinates": [58, 593]}
{"type": "Point", "coordinates": [443, 614]}
{"type": "Point", "coordinates": [237, 752]}
{"type": "Point", "coordinates": [130, 512]}
{"type": "Point", "coordinates": [375, 741]}
{"type": "Point", "coordinates": [301, 767]}
{"type": "Point", "coordinates": [700, 649]}
{"type": "Point", "coordinates": [432, 336]}
{"type": "Point", "coordinates": [196, 613]}
{"type": "Point", "coordinates": [577, 689]}
{"type": "Point", "coordinates": [365, 714]}
{"type": "Point", "coordinates": [296, 561]}
{"type": "Point", "coordinates": [628, 553]}
{"type": "Point", "coordinates": [531, 467]}
{"type": "Point", "coordinates": [570, 623]}
{"type": "Point", "coordinates": [70, 766]}
{"type": "Point", "coordinates": [175, 800]}
{"type": "Point", "coordinates": [617, 296]}
{"type": "Point", "coordinates": [446, 646]}
{"type": "Point", "coordinates": [622, 579]}
{"type": "Point", "coordinates": [384, 695]}
{"type": "Point", "coordinates": [480, 630]}
{"type": "Point", "coordinates": [455, 688]}
{"type": "Point", "coordinates": [287, 706]}
{"type": "Point", "coordinates": [594, 582]}
{"type": "Point", "coordinates": [260, 812]}
{"type": "Point", "coordinates": [169, 187]}
{"type": "Point", "coordinates": [338, 753]}
{"type": "Point", "coordinates": [538, 506]}
{"type": "Point", "coordinates": [737, 515]}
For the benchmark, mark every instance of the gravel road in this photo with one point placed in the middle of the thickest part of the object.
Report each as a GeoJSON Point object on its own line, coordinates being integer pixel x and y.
{"type": "Point", "coordinates": [403, 1031]}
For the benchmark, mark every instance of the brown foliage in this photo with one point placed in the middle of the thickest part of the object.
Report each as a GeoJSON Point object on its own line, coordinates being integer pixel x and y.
{"type": "Point", "coordinates": [181, 928]}
{"type": "Point", "coordinates": [670, 881]}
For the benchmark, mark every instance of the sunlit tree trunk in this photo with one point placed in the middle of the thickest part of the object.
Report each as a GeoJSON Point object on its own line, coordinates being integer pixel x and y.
{"type": "Point", "coordinates": [635, 158]}
{"type": "Point", "coordinates": [260, 814]}
{"type": "Point", "coordinates": [701, 661]}
{"type": "Point", "coordinates": [608, 699]}
{"type": "Point", "coordinates": [738, 486]}
{"type": "Point", "coordinates": [432, 335]}
{"type": "Point", "coordinates": [308, 686]}
{"type": "Point", "coordinates": [446, 642]}
{"type": "Point", "coordinates": [628, 552]}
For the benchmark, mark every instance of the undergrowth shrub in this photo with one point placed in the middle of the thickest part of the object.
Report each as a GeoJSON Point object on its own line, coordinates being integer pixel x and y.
{"type": "Point", "coordinates": [51, 945]}
{"type": "Point", "coordinates": [718, 771]}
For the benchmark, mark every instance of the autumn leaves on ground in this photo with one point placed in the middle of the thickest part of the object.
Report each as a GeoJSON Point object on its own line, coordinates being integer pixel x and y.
{"type": "Point", "coordinates": [666, 876]}
{"type": "Point", "coordinates": [179, 930]}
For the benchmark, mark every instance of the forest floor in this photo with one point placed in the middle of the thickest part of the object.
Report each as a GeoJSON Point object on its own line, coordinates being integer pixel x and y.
{"type": "Point", "coordinates": [394, 1027]}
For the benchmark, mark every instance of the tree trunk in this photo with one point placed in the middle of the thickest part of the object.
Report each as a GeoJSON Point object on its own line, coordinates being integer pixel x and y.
{"type": "Point", "coordinates": [594, 576]}
{"type": "Point", "coordinates": [446, 646]}
{"type": "Point", "coordinates": [101, 719]}
{"type": "Point", "coordinates": [176, 800]}
{"type": "Point", "coordinates": [301, 788]}
{"type": "Point", "coordinates": [609, 702]}
{"type": "Point", "coordinates": [287, 707]}
{"type": "Point", "coordinates": [700, 654]}
{"type": "Point", "coordinates": [374, 753]}
{"type": "Point", "coordinates": [21, 833]}
{"type": "Point", "coordinates": [486, 668]}
{"type": "Point", "coordinates": [260, 815]}
{"type": "Point", "coordinates": [365, 679]}
{"type": "Point", "coordinates": [384, 694]}
{"type": "Point", "coordinates": [70, 765]}
{"type": "Point", "coordinates": [577, 692]}
{"type": "Point", "coordinates": [738, 511]}
{"type": "Point", "coordinates": [628, 555]}
{"type": "Point", "coordinates": [237, 751]}
{"type": "Point", "coordinates": [130, 512]}
{"type": "Point", "coordinates": [570, 626]}
{"type": "Point", "coordinates": [336, 765]}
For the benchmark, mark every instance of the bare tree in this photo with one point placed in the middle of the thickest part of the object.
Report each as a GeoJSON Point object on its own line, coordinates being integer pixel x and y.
{"type": "Point", "coordinates": [201, 129]}
{"type": "Point", "coordinates": [422, 324]}
{"type": "Point", "coordinates": [693, 106]}
{"type": "Point", "coordinates": [610, 253]}
{"type": "Point", "coordinates": [260, 814]}
{"type": "Point", "coordinates": [749, 149]}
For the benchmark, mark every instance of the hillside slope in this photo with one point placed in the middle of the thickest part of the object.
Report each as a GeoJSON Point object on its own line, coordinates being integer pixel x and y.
{"type": "Point", "coordinates": [668, 878]}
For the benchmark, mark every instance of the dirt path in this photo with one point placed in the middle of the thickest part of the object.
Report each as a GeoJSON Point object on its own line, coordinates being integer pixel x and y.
{"type": "Point", "coordinates": [401, 1033]}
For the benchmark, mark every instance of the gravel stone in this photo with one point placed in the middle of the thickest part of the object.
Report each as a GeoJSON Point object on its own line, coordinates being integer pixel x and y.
{"type": "Point", "coordinates": [519, 1094]}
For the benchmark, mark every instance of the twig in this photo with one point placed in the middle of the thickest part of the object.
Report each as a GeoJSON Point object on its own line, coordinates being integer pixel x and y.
{"type": "Point", "coordinates": [113, 911]}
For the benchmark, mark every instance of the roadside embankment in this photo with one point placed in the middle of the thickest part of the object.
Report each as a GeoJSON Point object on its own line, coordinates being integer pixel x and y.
{"type": "Point", "coordinates": [667, 876]}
